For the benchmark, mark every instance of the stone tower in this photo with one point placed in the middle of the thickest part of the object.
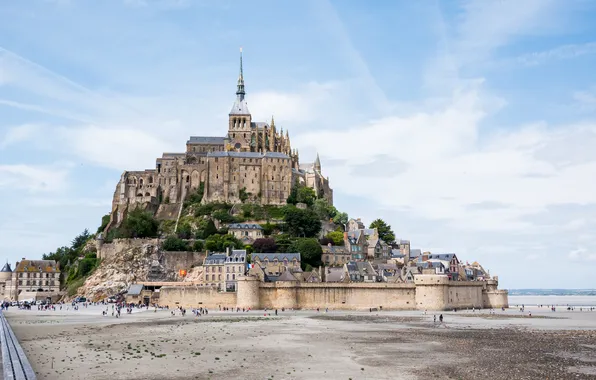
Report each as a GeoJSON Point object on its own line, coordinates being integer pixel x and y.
{"type": "Point", "coordinates": [239, 129]}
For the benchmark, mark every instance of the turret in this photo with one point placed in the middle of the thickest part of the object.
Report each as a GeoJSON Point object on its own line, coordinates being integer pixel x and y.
{"type": "Point", "coordinates": [318, 163]}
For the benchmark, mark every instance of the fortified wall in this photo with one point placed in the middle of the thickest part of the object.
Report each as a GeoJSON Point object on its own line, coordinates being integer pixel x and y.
{"type": "Point", "coordinates": [428, 292]}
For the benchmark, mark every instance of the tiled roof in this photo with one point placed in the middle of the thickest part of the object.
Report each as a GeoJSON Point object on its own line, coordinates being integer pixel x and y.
{"type": "Point", "coordinates": [272, 256]}
{"type": "Point", "coordinates": [259, 124]}
{"type": "Point", "coordinates": [245, 226]}
{"type": "Point", "coordinates": [215, 140]}
{"type": "Point", "coordinates": [286, 276]}
{"type": "Point", "coordinates": [237, 255]}
{"type": "Point", "coordinates": [46, 266]}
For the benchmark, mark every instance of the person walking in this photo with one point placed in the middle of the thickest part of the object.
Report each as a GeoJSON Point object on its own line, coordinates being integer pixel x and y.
{"type": "Point", "coordinates": [441, 318]}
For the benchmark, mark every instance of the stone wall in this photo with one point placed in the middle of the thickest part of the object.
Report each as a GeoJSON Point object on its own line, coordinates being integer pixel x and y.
{"type": "Point", "coordinates": [109, 250]}
{"type": "Point", "coordinates": [176, 261]}
{"type": "Point", "coordinates": [428, 292]}
{"type": "Point", "coordinates": [195, 296]}
{"type": "Point", "coordinates": [337, 296]}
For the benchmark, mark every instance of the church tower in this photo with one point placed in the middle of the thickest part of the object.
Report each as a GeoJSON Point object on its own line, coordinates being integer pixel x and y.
{"type": "Point", "coordinates": [239, 128]}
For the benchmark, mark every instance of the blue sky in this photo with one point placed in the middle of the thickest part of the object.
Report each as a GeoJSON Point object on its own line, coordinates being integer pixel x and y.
{"type": "Point", "coordinates": [470, 126]}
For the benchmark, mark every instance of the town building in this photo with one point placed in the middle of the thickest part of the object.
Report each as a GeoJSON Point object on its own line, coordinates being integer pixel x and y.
{"type": "Point", "coordinates": [31, 280]}
{"type": "Point", "coordinates": [235, 265]}
{"type": "Point", "coordinates": [246, 232]}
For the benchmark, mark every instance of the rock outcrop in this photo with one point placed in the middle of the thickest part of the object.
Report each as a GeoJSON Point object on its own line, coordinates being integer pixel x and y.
{"type": "Point", "coordinates": [140, 263]}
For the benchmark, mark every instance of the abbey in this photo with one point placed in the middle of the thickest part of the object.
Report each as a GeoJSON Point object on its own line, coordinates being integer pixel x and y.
{"type": "Point", "coordinates": [252, 162]}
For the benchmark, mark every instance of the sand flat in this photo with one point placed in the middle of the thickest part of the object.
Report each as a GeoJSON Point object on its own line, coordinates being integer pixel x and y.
{"type": "Point", "coordinates": [306, 345]}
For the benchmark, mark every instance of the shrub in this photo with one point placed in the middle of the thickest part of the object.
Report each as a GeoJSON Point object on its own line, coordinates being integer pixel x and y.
{"type": "Point", "coordinates": [174, 243]}
{"type": "Point", "coordinates": [264, 245]}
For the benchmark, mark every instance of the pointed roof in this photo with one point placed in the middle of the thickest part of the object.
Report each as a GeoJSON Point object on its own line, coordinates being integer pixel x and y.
{"type": "Point", "coordinates": [318, 162]}
{"type": "Point", "coordinates": [6, 268]}
{"type": "Point", "coordinates": [240, 107]}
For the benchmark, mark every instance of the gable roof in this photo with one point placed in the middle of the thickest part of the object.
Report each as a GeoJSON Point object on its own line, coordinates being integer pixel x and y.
{"type": "Point", "coordinates": [286, 276]}
{"type": "Point", "coordinates": [442, 256]}
{"type": "Point", "coordinates": [215, 259]}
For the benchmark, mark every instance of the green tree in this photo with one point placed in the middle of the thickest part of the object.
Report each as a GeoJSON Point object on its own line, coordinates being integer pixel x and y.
{"type": "Point", "coordinates": [243, 195]}
{"type": "Point", "coordinates": [206, 229]}
{"type": "Point", "coordinates": [268, 228]}
{"type": "Point", "coordinates": [223, 216]}
{"type": "Point", "coordinates": [80, 240]}
{"type": "Point", "coordinates": [336, 237]}
{"type": "Point", "coordinates": [323, 209]}
{"type": "Point", "coordinates": [198, 246]}
{"type": "Point", "coordinates": [283, 242]}
{"type": "Point", "coordinates": [219, 243]}
{"type": "Point", "coordinates": [310, 251]}
{"type": "Point", "coordinates": [384, 230]}
{"type": "Point", "coordinates": [139, 224]}
{"type": "Point", "coordinates": [104, 223]}
{"type": "Point", "coordinates": [306, 195]}
{"type": "Point", "coordinates": [340, 218]}
{"type": "Point", "coordinates": [184, 230]}
{"type": "Point", "coordinates": [174, 243]}
{"type": "Point", "coordinates": [301, 223]}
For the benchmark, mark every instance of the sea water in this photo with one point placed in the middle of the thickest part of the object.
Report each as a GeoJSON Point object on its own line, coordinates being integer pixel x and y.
{"type": "Point", "coordinates": [568, 300]}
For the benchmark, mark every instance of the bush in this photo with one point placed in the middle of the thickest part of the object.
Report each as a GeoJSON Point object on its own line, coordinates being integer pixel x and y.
{"type": "Point", "coordinates": [139, 224]}
{"type": "Point", "coordinates": [198, 246]}
{"type": "Point", "coordinates": [174, 243]}
{"type": "Point", "coordinates": [196, 197]}
{"type": "Point", "coordinates": [74, 286]}
{"type": "Point", "coordinates": [104, 223]}
{"type": "Point", "coordinates": [86, 266]}
{"type": "Point", "coordinates": [267, 228]}
{"type": "Point", "coordinates": [223, 216]}
{"type": "Point", "coordinates": [219, 243]}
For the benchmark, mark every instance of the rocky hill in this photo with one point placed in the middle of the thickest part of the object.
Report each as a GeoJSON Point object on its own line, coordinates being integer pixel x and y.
{"type": "Point", "coordinates": [143, 261]}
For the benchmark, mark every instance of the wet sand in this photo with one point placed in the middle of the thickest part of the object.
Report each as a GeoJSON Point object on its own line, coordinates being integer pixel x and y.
{"type": "Point", "coordinates": [308, 345]}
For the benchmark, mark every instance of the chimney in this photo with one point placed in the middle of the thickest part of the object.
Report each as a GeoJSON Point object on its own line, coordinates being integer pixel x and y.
{"type": "Point", "coordinates": [228, 251]}
{"type": "Point", "coordinates": [345, 237]}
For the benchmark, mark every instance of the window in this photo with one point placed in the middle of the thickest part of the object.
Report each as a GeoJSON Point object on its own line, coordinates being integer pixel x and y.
{"type": "Point", "coordinates": [233, 277]}
{"type": "Point", "coordinates": [219, 277]}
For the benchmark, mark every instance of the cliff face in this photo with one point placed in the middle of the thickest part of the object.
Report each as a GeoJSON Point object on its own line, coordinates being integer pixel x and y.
{"type": "Point", "coordinates": [138, 262]}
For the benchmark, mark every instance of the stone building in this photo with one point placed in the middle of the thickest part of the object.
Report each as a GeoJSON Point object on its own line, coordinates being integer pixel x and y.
{"type": "Point", "coordinates": [235, 265]}
{"type": "Point", "coordinates": [213, 270]}
{"type": "Point", "coordinates": [31, 279]}
{"type": "Point", "coordinates": [253, 161]}
{"type": "Point", "coordinates": [289, 261]}
{"type": "Point", "coordinates": [246, 232]}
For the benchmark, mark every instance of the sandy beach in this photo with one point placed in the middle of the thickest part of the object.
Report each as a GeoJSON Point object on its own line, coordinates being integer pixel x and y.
{"type": "Point", "coordinates": [84, 344]}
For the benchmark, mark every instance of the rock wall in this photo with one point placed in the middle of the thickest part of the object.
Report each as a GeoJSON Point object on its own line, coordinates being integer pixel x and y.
{"type": "Point", "coordinates": [182, 260]}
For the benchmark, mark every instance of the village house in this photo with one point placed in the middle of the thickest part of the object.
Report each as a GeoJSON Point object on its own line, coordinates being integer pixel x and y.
{"type": "Point", "coordinates": [361, 271]}
{"type": "Point", "coordinates": [356, 243]}
{"type": "Point", "coordinates": [235, 265]}
{"type": "Point", "coordinates": [213, 270]}
{"type": "Point", "coordinates": [273, 260]}
{"type": "Point", "coordinates": [335, 255]}
{"type": "Point", "coordinates": [246, 232]}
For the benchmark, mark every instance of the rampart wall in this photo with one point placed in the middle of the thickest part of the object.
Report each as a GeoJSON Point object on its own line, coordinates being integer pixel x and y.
{"type": "Point", "coordinates": [195, 296]}
{"type": "Point", "coordinates": [428, 292]}
{"type": "Point", "coordinates": [109, 250]}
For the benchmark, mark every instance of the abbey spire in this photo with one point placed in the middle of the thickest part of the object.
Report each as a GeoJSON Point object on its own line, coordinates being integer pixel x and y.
{"type": "Point", "coordinates": [240, 91]}
{"type": "Point", "coordinates": [240, 107]}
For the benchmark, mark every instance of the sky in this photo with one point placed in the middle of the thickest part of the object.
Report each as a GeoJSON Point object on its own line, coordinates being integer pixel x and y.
{"type": "Point", "coordinates": [469, 126]}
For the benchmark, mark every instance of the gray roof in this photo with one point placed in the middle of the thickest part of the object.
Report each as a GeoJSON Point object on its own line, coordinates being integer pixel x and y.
{"type": "Point", "coordinates": [240, 107]}
{"type": "Point", "coordinates": [259, 124]}
{"type": "Point", "coordinates": [237, 255]}
{"type": "Point", "coordinates": [248, 154]}
{"type": "Point", "coordinates": [206, 140]}
{"type": "Point", "coordinates": [215, 259]}
{"type": "Point", "coordinates": [442, 256]}
{"type": "Point", "coordinates": [245, 226]}
{"type": "Point", "coordinates": [6, 268]}
{"type": "Point", "coordinates": [135, 289]}
{"type": "Point", "coordinates": [286, 276]}
{"type": "Point", "coordinates": [335, 275]}
{"type": "Point", "coordinates": [362, 268]}
{"type": "Point", "coordinates": [415, 252]}
{"type": "Point", "coordinates": [272, 256]}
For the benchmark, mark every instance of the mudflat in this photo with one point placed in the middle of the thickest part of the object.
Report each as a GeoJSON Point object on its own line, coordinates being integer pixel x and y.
{"type": "Point", "coordinates": [345, 345]}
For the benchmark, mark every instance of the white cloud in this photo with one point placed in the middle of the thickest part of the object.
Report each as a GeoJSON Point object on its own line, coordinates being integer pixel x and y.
{"type": "Point", "coordinates": [18, 134]}
{"type": "Point", "coordinates": [34, 178]}
{"type": "Point", "coordinates": [581, 254]}
{"type": "Point", "coordinates": [558, 53]}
